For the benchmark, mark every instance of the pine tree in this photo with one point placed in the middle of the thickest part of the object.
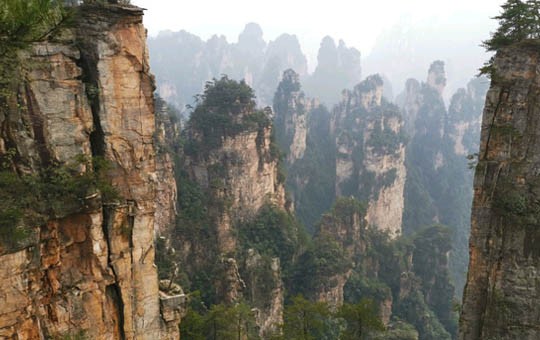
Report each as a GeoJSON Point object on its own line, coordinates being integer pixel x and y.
{"type": "Point", "coordinates": [534, 13]}
{"type": "Point", "coordinates": [518, 21]}
{"type": "Point", "coordinates": [515, 24]}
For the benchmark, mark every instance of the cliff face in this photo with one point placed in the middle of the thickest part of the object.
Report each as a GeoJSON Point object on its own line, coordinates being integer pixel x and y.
{"type": "Point", "coordinates": [406, 280]}
{"type": "Point", "coordinates": [501, 296]}
{"type": "Point", "coordinates": [232, 200]}
{"type": "Point", "coordinates": [346, 225]}
{"type": "Point", "coordinates": [91, 270]}
{"type": "Point", "coordinates": [464, 117]}
{"type": "Point", "coordinates": [437, 188]}
{"type": "Point", "coordinates": [243, 172]}
{"type": "Point", "coordinates": [370, 160]}
{"type": "Point", "coordinates": [291, 116]}
{"type": "Point", "coordinates": [166, 137]}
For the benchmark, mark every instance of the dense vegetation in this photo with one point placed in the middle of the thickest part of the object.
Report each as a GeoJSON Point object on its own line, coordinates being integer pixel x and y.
{"type": "Point", "coordinates": [406, 279]}
{"type": "Point", "coordinates": [225, 109]}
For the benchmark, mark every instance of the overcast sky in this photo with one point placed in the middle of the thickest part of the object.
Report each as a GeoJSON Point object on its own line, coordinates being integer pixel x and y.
{"type": "Point", "coordinates": [357, 22]}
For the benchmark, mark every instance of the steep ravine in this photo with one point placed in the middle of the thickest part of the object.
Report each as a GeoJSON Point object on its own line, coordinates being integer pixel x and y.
{"type": "Point", "coordinates": [87, 271]}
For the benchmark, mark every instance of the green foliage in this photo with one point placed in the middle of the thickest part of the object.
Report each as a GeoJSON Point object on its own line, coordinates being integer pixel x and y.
{"type": "Point", "coordinates": [430, 264]}
{"type": "Point", "coordinates": [323, 258]}
{"type": "Point", "coordinates": [22, 23]}
{"type": "Point", "coordinates": [226, 108]}
{"type": "Point", "coordinates": [220, 322]}
{"type": "Point", "coordinates": [518, 21]}
{"type": "Point", "coordinates": [360, 286]}
{"type": "Point", "coordinates": [397, 330]}
{"type": "Point", "coordinates": [384, 140]}
{"type": "Point", "coordinates": [273, 232]}
{"type": "Point", "coordinates": [30, 200]}
{"type": "Point", "coordinates": [361, 320]}
{"type": "Point", "coordinates": [415, 311]}
{"type": "Point", "coordinates": [305, 320]}
{"type": "Point", "coordinates": [80, 335]}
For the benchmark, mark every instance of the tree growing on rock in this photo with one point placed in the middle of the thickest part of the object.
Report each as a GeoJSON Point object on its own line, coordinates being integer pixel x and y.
{"type": "Point", "coordinates": [519, 20]}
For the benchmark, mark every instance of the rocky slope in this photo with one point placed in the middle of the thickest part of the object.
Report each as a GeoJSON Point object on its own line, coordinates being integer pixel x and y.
{"type": "Point", "coordinates": [87, 270]}
{"type": "Point", "coordinates": [370, 160]}
{"type": "Point", "coordinates": [501, 296]}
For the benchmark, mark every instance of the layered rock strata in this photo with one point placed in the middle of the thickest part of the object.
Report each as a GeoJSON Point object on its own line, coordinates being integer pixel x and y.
{"type": "Point", "coordinates": [370, 159]}
{"type": "Point", "coordinates": [88, 272]}
{"type": "Point", "coordinates": [501, 297]}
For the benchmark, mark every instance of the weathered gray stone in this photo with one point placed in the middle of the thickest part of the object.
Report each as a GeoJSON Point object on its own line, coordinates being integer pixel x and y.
{"type": "Point", "coordinates": [502, 295]}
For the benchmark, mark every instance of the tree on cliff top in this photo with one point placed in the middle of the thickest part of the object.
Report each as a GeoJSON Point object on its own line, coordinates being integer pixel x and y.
{"type": "Point", "coordinates": [518, 21]}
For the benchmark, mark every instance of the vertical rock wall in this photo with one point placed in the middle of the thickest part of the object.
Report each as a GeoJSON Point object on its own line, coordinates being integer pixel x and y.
{"type": "Point", "coordinates": [370, 160]}
{"type": "Point", "coordinates": [501, 297]}
{"type": "Point", "coordinates": [90, 272]}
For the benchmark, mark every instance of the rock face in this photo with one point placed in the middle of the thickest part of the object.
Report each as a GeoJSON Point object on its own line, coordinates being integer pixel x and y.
{"type": "Point", "coordinates": [347, 226]}
{"type": "Point", "coordinates": [165, 137]}
{"type": "Point", "coordinates": [230, 180]}
{"type": "Point", "coordinates": [464, 118]}
{"type": "Point", "coordinates": [501, 296]}
{"type": "Point", "coordinates": [437, 188]}
{"type": "Point", "coordinates": [302, 130]}
{"type": "Point", "coordinates": [90, 272]}
{"type": "Point", "coordinates": [370, 160]}
{"type": "Point", "coordinates": [291, 110]}
{"type": "Point", "coordinates": [247, 180]}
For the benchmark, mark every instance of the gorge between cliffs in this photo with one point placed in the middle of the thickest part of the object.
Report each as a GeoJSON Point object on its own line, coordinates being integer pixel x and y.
{"type": "Point", "coordinates": [170, 187]}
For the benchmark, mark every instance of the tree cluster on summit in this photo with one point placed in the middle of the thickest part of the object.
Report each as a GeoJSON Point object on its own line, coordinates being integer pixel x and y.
{"type": "Point", "coordinates": [518, 21]}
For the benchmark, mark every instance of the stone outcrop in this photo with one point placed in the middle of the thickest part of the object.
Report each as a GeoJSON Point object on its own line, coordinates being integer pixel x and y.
{"type": "Point", "coordinates": [501, 297]}
{"type": "Point", "coordinates": [166, 140]}
{"type": "Point", "coordinates": [439, 181]}
{"type": "Point", "coordinates": [346, 225]}
{"type": "Point", "coordinates": [88, 272]}
{"type": "Point", "coordinates": [370, 160]}
{"type": "Point", "coordinates": [231, 175]}
{"type": "Point", "coordinates": [302, 131]}
{"type": "Point", "coordinates": [437, 76]}
{"type": "Point", "coordinates": [268, 305]}
{"type": "Point", "coordinates": [291, 109]}
{"type": "Point", "coordinates": [248, 180]}
{"type": "Point", "coordinates": [464, 117]}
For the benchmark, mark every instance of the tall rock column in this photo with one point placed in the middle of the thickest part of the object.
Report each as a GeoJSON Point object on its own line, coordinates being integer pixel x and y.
{"type": "Point", "coordinates": [370, 160]}
{"type": "Point", "coordinates": [87, 269]}
{"type": "Point", "coordinates": [502, 295]}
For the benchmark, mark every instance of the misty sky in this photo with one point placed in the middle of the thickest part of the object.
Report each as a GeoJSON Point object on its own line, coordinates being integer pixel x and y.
{"type": "Point", "coordinates": [357, 22]}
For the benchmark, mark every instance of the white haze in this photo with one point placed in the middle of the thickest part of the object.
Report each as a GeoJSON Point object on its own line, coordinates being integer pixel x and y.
{"type": "Point", "coordinates": [421, 30]}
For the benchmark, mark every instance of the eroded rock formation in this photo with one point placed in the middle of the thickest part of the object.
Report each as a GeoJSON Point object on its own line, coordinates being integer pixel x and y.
{"type": "Point", "coordinates": [501, 297]}
{"type": "Point", "coordinates": [370, 159]}
{"type": "Point", "coordinates": [87, 271]}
